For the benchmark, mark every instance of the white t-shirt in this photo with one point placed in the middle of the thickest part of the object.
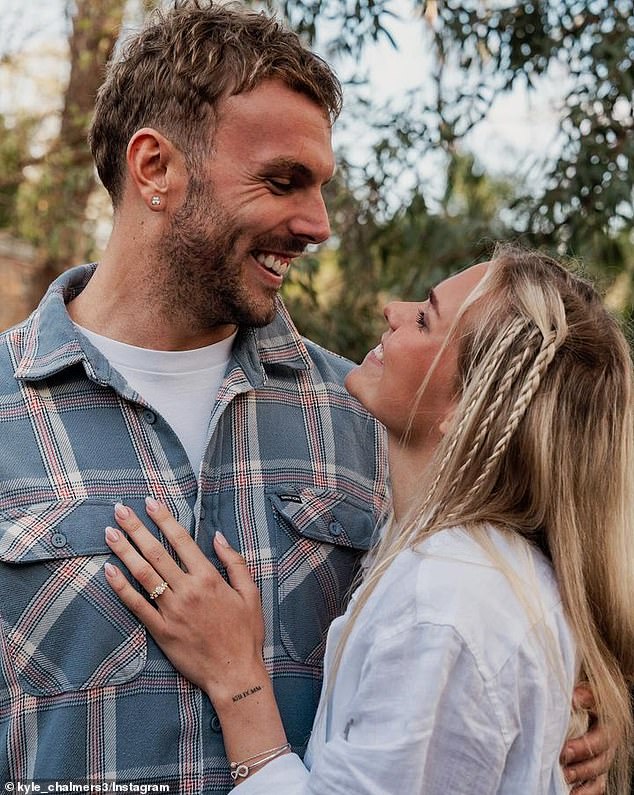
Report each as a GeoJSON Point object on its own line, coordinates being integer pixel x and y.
{"type": "Point", "coordinates": [447, 685]}
{"type": "Point", "coordinates": [181, 386]}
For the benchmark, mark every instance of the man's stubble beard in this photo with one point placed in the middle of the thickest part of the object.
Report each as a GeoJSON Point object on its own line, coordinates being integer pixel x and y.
{"type": "Point", "coordinates": [200, 269]}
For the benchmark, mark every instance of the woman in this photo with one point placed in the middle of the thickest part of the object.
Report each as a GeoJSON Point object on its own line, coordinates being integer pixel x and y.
{"type": "Point", "coordinates": [503, 576]}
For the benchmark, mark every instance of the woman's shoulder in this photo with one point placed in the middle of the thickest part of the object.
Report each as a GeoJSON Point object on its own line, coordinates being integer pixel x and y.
{"type": "Point", "coordinates": [492, 556]}
{"type": "Point", "coordinates": [483, 565]}
{"type": "Point", "coordinates": [497, 592]}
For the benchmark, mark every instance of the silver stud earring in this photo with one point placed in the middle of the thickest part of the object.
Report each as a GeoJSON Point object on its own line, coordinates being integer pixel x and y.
{"type": "Point", "coordinates": [155, 201]}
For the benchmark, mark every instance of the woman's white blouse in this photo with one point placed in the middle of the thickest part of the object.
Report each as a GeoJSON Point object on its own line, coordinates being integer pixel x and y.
{"type": "Point", "coordinates": [448, 684]}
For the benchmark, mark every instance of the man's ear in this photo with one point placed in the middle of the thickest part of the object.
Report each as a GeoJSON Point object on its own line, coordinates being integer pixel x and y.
{"type": "Point", "coordinates": [155, 167]}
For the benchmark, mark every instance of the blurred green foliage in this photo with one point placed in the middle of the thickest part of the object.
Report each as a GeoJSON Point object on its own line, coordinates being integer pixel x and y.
{"type": "Point", "coordinates": [337, 300]}
{"type": "Point", "coordinates": [577, 202]}
{"type": "Point", "coordinates": [398, 224]}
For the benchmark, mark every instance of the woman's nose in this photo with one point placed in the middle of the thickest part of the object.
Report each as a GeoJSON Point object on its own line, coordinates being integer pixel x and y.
{"type": "Point", "coordinates": [396, 312]}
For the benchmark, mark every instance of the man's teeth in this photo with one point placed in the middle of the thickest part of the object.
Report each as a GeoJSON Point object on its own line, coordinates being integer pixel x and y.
{"type": "Point", "coordinates": [278, 266]}
{"type": "Point", "coordinates": [378, 351]}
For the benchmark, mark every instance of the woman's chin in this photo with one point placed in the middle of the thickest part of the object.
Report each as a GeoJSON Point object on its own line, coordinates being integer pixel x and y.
{"type": "Point", "coordinates": [357, 388]}
{"type": "Point", "coordinates": [353, 382]}
{"type": "Point", "coordinates": [350, 377]}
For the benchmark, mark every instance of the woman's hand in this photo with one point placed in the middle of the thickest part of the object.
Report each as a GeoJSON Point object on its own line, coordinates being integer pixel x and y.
{"type": "Point", "coordinates": [211, 631]}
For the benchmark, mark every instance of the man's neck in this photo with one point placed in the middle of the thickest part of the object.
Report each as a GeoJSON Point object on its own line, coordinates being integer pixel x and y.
{"type": "Point", "coordinates": [121, 304]}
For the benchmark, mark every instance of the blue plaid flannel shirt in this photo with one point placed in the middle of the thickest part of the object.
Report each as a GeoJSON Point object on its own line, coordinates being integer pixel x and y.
{"type": "Point", "coordinates": [294, 476]}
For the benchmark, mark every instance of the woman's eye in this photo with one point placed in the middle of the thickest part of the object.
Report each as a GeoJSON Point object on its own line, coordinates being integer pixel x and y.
{"type": "Point", "coordinates": [420, 320]}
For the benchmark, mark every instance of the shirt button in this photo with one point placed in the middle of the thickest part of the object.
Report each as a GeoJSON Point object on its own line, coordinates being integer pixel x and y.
{"type": "Point", "coordinates": [215, 724]}
{"type": "Point", "coordinates": [335, 529]}
{"type": "Point", "coordinates": [149, 416]}
{"type": "Point", "coordinates": [58, 540]}
{"type": "Point", "coordinates": [203, 512]}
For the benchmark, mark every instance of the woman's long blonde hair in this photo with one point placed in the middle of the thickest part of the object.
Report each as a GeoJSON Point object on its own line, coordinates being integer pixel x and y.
{"type": "Point", "coordinates": [541, 443]}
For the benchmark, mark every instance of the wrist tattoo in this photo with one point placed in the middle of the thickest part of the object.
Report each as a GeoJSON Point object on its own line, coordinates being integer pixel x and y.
{"type": "Point", "coordinates": [245, 693]}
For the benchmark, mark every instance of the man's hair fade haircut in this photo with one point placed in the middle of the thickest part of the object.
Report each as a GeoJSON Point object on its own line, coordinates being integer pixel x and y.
{"type": "Point", "coordinates": [172, 74]}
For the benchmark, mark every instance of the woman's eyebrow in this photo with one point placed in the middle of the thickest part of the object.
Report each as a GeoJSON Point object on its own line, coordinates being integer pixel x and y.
{"type": "Point", "coordinates": [433, 299]}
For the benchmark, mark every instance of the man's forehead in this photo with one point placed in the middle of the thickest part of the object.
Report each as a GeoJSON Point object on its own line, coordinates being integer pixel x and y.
{"type": "Point", "coordinates": [273, 126]}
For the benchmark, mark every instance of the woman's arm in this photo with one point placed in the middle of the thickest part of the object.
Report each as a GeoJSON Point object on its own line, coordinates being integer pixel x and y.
{"type": "Point", "coordinates": [213, 634]}
{"type": "Point", "coordinates": [230, 669]}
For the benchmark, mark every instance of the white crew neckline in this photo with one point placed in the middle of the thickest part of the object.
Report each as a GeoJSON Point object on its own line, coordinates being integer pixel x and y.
{"type": "Point", "coordinates": [153, 361]}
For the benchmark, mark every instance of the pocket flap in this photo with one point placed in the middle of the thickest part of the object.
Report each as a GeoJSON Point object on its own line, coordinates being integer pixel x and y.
{"type": "Point", "coordinates": [326, 515]}
{"type": "Point", "coordinates": [54, 530]}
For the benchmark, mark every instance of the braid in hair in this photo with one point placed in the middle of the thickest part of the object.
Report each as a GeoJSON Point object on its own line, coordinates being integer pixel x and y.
{"type": "Point", "coordinates": [487, 377]}
{"type": "Point", "coordinates": [505, 384]}
{"type": "Point", "coordinates": [530, 386]}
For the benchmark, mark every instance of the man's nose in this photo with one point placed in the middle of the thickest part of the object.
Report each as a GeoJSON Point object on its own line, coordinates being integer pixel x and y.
{"type": "Point", "coordinates": [311, 222]}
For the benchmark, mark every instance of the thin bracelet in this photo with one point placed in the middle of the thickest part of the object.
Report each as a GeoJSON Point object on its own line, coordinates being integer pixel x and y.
{"type": "Point", "coordinates": [242, 770]}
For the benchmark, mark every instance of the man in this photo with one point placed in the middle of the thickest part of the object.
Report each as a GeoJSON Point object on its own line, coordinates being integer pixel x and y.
{"type": "Point", "coordinates": [171, 370]}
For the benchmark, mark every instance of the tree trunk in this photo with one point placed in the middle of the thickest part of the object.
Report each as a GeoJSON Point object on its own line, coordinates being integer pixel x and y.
{"type": "Point", "coordinates": [69, 177]}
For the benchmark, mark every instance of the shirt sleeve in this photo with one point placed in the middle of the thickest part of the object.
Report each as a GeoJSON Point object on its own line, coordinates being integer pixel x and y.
{"type": "Point", "coordinates": [421, 721]}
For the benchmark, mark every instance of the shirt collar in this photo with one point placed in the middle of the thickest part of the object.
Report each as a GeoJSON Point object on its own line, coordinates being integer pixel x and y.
{"type": "Point", "coordinates": [51, 343]}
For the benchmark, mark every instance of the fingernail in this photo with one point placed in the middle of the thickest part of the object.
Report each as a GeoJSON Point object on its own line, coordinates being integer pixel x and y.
{"type": "Point", "coordinates": [570, 775]}
{"type": "Point", "coordinates": [151, 504]}
{"type": "Point", "coordinates": [112, 534]}
{"type": "Point", "coordinates": [110, 570]}
{"type": "Point", "coordinates": [221, 539]}
{"type": "Point", "coordinates": [121, 511]}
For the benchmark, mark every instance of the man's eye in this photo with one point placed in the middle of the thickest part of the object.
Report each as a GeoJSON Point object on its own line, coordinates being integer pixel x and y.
{"type": "Point", "coordinates": [280, 185]}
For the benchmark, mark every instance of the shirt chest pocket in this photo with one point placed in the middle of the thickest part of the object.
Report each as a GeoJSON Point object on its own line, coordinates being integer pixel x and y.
{"type": "Point", "coordinates": [321, 537]}
{"type": "Point", "coordinates": [65, 628]}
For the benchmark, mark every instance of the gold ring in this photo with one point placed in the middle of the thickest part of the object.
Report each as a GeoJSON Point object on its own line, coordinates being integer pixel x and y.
{"type": "Point", "coordinates": [160, 588]}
